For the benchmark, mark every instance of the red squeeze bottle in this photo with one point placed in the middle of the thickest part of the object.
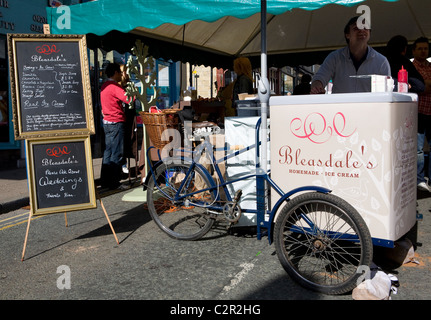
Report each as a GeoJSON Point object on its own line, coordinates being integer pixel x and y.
{"type": "Point", "coordinates": [402, 80]}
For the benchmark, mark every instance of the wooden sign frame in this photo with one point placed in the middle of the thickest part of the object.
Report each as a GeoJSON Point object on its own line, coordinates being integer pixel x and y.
{"type": "Point", "coordinates": [56, 175]}
{"type": "Point", "coordinates": [36, 114]}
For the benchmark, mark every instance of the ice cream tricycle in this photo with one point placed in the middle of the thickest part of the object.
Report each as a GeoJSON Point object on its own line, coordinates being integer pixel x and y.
{"type": "Point", "coordinates": [341, 179]}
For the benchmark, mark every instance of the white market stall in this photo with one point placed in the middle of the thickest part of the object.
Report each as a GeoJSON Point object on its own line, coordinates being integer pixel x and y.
{"type": "Point", "coordinates": [214, 32]}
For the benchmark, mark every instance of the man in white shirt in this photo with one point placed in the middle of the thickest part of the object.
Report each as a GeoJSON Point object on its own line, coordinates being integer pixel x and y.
{"type": "Point", "coordinates": [357, 59]}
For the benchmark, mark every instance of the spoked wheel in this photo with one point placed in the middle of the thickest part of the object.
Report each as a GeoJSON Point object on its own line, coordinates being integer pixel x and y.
{"type": "Point", "coordinates": [189, 218]}
{"type": "Point", "coordinates": [321, 241]}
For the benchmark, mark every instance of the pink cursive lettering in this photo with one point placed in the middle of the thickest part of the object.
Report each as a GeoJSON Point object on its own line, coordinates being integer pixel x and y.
{"type": "Point", "coordinates": [316, 129]}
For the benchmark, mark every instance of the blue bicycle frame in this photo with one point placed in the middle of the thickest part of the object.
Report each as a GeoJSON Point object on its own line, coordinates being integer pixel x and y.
{"type": "Point", "coordinates": [262, 179]}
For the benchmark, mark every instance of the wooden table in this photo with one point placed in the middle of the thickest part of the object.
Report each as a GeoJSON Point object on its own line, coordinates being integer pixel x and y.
{"type": "Point", "coordinates": [204, 107]}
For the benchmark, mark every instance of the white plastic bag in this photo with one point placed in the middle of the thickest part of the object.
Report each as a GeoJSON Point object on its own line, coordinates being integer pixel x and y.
{"type": "Point", "coordinates": [376, 287]}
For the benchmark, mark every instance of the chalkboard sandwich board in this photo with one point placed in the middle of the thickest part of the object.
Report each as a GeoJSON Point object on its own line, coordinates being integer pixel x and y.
{"type": "Point", "coordinates": [50, 85]}
{"type": "Point", "coordinates": [60, 174]}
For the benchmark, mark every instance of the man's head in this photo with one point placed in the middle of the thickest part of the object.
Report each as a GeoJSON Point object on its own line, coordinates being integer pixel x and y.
{"type": "Point", "coordinates": [397, 45]}
{"type": "Point", "coordinates": [420, 49]}
{"type": "Point", "coordinates": [113, 71]}
{"type": "Point", "coordinates": [357, 30]}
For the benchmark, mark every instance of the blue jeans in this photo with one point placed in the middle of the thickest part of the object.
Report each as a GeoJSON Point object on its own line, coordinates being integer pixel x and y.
{"type": "Point", "coordinates": [113, 156]}
{"type": "Point", "coordinates": [424, 132]}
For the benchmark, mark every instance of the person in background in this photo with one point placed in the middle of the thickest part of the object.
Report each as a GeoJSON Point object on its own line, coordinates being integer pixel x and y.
{"type": "Point", "coordinates": [244, 80]}
{"type": "Point", "coordinates": [225, 95]}
{"type": "Point", "coordinates": [130, 137]}
{"type": "Point", "coordinates": [356, 59]}
{"type": "Point", "coordinates": [112, 97]}
{"type": "Point", "coordinates": [420, 50]}
{"type": "Point", "coordinates": [304, 87]}
{"type": "Point", "coordinates": [396, 50]}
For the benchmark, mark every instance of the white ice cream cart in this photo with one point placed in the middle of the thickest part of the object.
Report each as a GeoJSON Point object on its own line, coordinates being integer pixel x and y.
{"type": "Point", "coordinates": [361, 146]}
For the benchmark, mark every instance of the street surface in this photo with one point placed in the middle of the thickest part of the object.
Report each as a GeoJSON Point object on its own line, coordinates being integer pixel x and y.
{"type": "Point", "coordinates": [83, 261]}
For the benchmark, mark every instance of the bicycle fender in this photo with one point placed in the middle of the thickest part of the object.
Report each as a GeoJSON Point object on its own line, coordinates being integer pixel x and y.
{"type": "Point", "coordinates": [149, 174]}
{"type": "Point", "coordinates": [286, 197]}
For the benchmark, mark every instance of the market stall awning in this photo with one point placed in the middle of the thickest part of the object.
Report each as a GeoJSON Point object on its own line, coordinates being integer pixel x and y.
{"type": "Point", "coordinates": [213, 32]}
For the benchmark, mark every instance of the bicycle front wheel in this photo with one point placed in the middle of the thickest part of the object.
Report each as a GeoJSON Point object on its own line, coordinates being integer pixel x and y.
{"type": "Point", "coordinates": [322, 242]}
{"type": "Point", "coordinates": [186, 219]}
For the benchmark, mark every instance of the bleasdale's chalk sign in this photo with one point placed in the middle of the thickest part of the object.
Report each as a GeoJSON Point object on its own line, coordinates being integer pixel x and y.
{"type": "Point", "coordinates": [50, 86]}
{"type": "Point", "coordinates": [52, 111]}
{"type": "Point", "coordinates": [60, 175]}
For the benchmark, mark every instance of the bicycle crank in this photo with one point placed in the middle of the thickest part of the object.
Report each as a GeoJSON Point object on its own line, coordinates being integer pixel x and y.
{"type": "Point", "coordinates": [231, 210]}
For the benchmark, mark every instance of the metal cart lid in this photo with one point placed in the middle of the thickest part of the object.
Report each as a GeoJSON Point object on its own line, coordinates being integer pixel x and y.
{"type": "Point", "coordinates": [361, 97]}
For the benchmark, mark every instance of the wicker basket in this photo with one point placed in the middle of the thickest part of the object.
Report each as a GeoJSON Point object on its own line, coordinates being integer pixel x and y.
{"type": "Point", "coordinates": [156, 123]}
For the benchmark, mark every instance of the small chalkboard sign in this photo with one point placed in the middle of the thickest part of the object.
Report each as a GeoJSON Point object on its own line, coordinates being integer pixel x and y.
{"type": "Point", "coordinates": [50, 85]}
{"type": "Point", "coordinates": [60, 173]}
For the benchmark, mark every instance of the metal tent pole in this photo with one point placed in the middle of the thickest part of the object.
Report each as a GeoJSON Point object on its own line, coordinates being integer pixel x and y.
{"type": "Point", "coordinates": [264, 91]}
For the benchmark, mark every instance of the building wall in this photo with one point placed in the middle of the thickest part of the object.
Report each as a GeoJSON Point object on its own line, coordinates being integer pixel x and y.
{"type": "Point", "coordinates": [25, 16]}
{"type": "Point", "coordinates": [202, 80]}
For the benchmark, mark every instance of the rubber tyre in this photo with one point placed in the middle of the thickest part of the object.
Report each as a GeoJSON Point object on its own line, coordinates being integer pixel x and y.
{"type": "Point", "coordinates": [180, 220]}
{"type": "Point", "coordinates": [322, 242]}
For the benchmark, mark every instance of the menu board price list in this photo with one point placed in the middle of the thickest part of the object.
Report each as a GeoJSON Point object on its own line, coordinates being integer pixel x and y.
{"type": "Point", "coordinates": [50, 86]}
